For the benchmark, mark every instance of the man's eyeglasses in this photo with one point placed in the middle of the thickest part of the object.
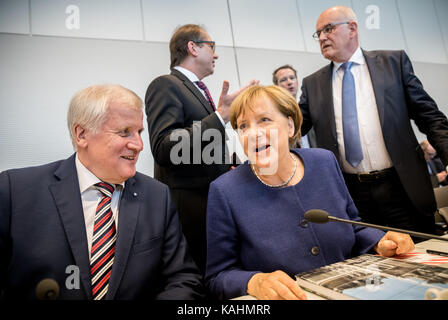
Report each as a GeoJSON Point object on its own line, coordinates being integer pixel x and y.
{"type": "Point", "coordinates": [211, 44]}
{"type": "Point", "coordinates": [327, 29]}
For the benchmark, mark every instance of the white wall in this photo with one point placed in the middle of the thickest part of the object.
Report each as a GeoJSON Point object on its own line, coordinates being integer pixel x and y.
{"type": "Point", "coordinates": [52, 48]}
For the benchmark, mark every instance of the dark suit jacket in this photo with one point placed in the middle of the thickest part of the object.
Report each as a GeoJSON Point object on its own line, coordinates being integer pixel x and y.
{"type": "Point", "coordinates": [42, 232]}
{"type": "Point", "coordinates": [175, 105]}
{"type": "Point", "coordinates": [173, 102]}
{"type": "Point", "coordinates": [400, 97]}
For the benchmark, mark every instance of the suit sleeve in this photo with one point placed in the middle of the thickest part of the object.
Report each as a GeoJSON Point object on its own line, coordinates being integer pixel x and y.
{"type": "Point", "coordinates": [166, 113]}
{"type": "Point", "coordinates": [5, 221]}
{"type": "Point", "coordinates": [181, 277]}
{"type": "Point", "coordinates": [424, 111]}
{"type": "Point", "coordinates": [224, 277]}
{"type": "Point", "coordinates": [304, 107]}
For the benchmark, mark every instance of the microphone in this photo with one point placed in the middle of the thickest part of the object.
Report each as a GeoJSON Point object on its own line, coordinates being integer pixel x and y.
{"type": "Point", "coordinates": [47, 289]}
{"type": "Point", "coordinates": [322, 216]}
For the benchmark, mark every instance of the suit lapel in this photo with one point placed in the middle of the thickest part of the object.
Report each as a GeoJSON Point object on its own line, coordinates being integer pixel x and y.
{"type": "Point", "coordinates": [68, 201]}
{"type": "Point", "coordinates": [327, 107]}
{"type": "Point", "coordinates": [327, 89]}
{"type": "Point", "coordinates": [378, 82]}
{"type": "Point", "coordinates": [190, 85]}
{"type": "Point", "coordinates": [127, 222]}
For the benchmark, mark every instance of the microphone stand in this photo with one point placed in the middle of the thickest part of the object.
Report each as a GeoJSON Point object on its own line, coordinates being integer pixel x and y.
{"type": "Point", "coordinates": [412, 233]}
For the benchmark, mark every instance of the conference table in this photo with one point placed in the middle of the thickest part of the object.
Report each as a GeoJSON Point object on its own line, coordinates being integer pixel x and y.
{"type": "Point", "coordinates": [421, 247]}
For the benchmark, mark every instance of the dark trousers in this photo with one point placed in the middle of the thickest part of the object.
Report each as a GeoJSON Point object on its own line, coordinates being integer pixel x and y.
{"type": "Point", "coordinates": [386, 203]}
{"type": "Point", "coordinates": [192, 207]}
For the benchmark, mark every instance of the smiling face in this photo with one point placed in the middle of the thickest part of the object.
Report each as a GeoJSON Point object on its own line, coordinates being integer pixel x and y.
{"type": "Point", "coordinates": [264, 133]}
{"type": "Point", "coordinates": [342, 42]}
{"type": "Point", "coordinates": [112, 152]}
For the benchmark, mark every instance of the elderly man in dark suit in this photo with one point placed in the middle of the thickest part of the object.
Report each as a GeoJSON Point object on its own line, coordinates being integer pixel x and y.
{"type": "Point", "coordinates": [91, 223]}
{"type": "Point", "coordinates": [187, 130]}
{"type": "Point", "coordinates": [360, 107]}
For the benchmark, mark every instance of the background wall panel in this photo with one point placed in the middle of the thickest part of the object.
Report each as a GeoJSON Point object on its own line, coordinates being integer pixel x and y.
{"type": "Point", "coordinates": [379, 25]}
{"type": "Point", "coordinates": [14, 16]}
{"type": "Point", "coordinates": [441, 11]}
{"type": "Point", "coordinates": [36, 90]}
{"type": "Point", "coordinates": [161, 19]}
{"type": "Point", "coordinates": [422, 31]}
{"type": "Point", "coordinates": [104, 19]}
{"type": "Point", "coordinates": [268, 24]}
{"type": "Point", "coordinates": [260, 64]}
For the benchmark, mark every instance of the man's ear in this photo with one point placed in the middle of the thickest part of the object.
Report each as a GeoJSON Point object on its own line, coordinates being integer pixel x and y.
{"type": "Point", "coordinates": [353, 26]}
{"type": "Point", "coordinates": [192, 49]}
{"type": "Point", "coordinates": [80, 136]}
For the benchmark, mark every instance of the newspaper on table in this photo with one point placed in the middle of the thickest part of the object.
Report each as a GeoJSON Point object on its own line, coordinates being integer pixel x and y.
{"type": "Point", "coordinates": [371, 277]}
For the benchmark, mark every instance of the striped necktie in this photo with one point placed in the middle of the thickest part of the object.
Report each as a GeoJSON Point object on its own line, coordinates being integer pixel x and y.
{"type": "Point", "coordinates": [203, 87]}
{"type": "Point", "coordinates": [103, 244]}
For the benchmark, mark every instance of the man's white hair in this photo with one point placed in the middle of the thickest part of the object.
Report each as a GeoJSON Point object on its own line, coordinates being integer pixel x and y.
{"type": "Point", "coordinates": [88, 108]}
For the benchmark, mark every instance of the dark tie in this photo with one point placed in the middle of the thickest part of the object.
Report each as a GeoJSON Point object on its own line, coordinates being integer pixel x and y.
{"type": "Point", "coordinates": [103, 243]}
{"type": "Point", "coordinates": [352, 141]}
{"type": "Point", "coordinates": [203, 87]}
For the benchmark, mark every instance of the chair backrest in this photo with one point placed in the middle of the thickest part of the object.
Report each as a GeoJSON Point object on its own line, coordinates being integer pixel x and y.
{"type": "Point", "coordinates": [443, 213]}
{"type": "Point", "coordinates": [441, 196]}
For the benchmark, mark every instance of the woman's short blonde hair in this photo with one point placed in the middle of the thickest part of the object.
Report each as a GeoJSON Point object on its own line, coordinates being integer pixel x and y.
{"type": "Point", "coordinates": [88, 108]}
{"type": "Point", "coordinates": [285, 102]}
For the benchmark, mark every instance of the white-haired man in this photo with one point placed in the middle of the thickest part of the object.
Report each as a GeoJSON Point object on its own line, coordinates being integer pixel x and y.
{"type": "Point", "coordinates": [360, 107]}
{"type": "Point", "coordinates": [92, 223]}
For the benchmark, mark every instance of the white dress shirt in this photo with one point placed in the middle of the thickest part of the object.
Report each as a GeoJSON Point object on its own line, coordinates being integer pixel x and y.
{"type": "Point", "coordinates": [90, 197]}
{"type": "Point", "coordinates": [193, 78]}
{"type": "Point", "coordinates": [233, 144]}
{"type": "Point", "coordinates": [374, 149]}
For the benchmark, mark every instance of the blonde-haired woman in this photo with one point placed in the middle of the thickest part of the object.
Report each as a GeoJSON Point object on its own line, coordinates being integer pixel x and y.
{"type": "Point", "coordinates": [257, 238]}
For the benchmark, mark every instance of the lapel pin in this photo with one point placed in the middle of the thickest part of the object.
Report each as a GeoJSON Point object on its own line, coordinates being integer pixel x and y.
{"type": "Point", "coordinates": [135, 194]}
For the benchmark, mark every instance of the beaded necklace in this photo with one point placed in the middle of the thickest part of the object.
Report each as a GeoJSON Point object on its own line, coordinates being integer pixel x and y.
{"type": "Point", "coordinates": [281, 184]}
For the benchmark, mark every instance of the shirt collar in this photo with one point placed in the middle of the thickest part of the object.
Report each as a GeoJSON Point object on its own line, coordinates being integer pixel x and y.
{"type": "Point", "coordinates": [86, 178]}
{"type": "Point", "coordinates": [357, 58]}
{"type": "Point", "coordinates": [190, 75]}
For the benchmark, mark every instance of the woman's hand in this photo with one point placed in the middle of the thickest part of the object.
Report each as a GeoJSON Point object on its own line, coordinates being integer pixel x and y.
{"type": "Point", "coordinates": [276, 285]}
{"type": "Point", "coordinates": [394, 243]}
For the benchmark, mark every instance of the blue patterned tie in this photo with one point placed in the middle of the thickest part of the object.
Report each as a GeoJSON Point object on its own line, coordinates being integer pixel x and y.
{"type": "Point", "coordinates": [352, 142]}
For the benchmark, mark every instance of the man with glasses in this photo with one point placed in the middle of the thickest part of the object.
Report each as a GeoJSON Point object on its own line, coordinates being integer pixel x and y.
{"type": "Point", "coordinates": [179, 110]}
{"type": "Point", "coordinates": [360, 107]}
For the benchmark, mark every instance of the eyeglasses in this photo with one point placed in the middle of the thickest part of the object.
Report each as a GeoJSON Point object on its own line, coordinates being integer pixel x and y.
{"type": "Point", "coordinates": [327, 29]}
{"type": "Point", "coordinates": [211, 44]}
